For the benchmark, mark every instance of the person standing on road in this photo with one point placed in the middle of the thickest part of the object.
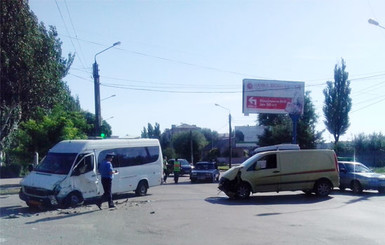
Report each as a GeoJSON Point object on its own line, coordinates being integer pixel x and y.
{"type": "Point", "coordinates": [165, 171]}
{"type": "Point", "coordinates": [176, 170]}
{"type": "Point", "coordinates": [107, 174]}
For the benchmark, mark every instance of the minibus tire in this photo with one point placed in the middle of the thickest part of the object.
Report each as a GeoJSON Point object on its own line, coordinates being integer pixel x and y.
{"type": "Point", "coordinates": [141, 190]}
{"type": "Point", "coordinates": [243, 190]}
{"type": "Point", "coordinates": [323, 188]}
{"type": "Point", "coordinates": [73, 200]}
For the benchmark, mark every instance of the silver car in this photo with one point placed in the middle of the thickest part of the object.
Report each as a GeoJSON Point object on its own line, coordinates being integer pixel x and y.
{"type": "Point", "coordinates": [358, 177]}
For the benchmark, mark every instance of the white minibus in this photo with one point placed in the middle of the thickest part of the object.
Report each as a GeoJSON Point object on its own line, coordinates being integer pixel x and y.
{"type": "Point", "coordinates": [68, 175]}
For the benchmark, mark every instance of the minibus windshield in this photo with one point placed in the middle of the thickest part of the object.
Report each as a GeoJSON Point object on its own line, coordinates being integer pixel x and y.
{"type": "Point", "coordinates": [56, 163]}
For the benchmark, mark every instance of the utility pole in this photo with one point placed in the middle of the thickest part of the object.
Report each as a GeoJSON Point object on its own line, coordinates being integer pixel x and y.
{"type": "Point", "coordinates": [230, 145]}
{"type": "Point", "coordinates": [98, 116]}
{"type": "Point", "coordinates": [230, 140]}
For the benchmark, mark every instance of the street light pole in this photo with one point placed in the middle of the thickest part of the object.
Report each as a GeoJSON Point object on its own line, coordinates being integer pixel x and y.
{"type": "Point", "coordinates": [230, 145]}
{"type": "Point", "coordinates": [374, 22]}
{"type": "Point", "coordinates": [98, 117]}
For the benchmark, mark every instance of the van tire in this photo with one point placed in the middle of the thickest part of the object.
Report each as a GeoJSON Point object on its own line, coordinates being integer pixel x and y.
{"type": "Point", "coordinates": [141, 190]}
{"type": "Point", "coordinates": [73, 200]}
{"type": "Point", "coordinates": [323, 188]}
{"type": "Point", "coordinates": [243, 190]}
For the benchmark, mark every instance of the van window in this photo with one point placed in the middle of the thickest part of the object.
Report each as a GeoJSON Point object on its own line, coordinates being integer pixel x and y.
{"type": "Point", "coordinates": [132, 156]}
{"type": "Point", "coordinates": [266, 162]}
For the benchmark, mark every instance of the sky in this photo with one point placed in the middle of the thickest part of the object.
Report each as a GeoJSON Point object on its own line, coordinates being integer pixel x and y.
{"type": "Point", "coordinates": [177, 59]}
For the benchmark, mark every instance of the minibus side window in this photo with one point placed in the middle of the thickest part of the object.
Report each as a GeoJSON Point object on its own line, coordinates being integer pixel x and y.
{"type": "Point", "coordinates": [153, 152]}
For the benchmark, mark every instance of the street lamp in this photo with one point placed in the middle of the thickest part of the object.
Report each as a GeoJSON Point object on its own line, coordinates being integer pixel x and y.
{"type": "Point", "coordinates": [374, 22]}
{"type": "Point", "coordinates": [230, 146]}
{"type": "Point", "coordinates": [108, 97]}
{"type": "Point", "coordinates": [98, 118]}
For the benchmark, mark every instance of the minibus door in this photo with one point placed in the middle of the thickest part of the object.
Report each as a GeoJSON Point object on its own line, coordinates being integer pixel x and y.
{"type": "Point", "coordinates": [85, 178]}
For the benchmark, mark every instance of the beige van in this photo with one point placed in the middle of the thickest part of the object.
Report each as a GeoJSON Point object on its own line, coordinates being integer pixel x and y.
{"type": "Point", "coordinates": [306, 170]}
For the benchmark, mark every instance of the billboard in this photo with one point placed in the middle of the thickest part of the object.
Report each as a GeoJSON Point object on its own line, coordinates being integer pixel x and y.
{"type": "Point", "coordinates": [272, 96]}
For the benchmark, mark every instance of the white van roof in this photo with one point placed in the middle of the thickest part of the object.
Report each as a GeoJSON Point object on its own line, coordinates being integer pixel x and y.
{"type": "Point", "coordinates": [76, 146]}
{"type": "Point", "coordinates": [277, 148]}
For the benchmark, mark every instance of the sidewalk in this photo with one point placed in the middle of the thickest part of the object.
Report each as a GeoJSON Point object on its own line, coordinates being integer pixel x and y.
{"type": "Point", "coordinates": [9, 183]}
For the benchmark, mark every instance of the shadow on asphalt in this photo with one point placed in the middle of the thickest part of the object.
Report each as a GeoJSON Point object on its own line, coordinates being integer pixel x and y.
{"type": "Point", "coordinates": [273, 199]}
{"type": "Point", "coordinates": [18, 211]}
{"type": "Point", "coordinates": [269, 200]}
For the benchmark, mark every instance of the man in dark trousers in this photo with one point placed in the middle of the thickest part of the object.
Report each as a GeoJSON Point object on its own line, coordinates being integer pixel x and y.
{"type": "Point", "coordinates": [107, 174]}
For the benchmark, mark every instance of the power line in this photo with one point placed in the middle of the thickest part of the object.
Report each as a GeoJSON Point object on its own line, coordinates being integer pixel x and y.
{"type": "Point", "coordinates": [73, 28]}
{"type": "Point", "coordinates": [65, 26]}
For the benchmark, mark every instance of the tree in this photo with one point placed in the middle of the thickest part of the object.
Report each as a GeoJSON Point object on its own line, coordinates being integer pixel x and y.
{"type": "Point", "coordinates": [40, 135]}
{"type": "Point", "coordinates": [151, 132]}
{"type": "Point", "coordinates": [337, 103]}
{"type": "Point", "coordinates": [279, 127]}
{"type": "Point", "coordinates": [182, 144]}
{"type": "Point", "coordinates": [31, 68]}
{"type": "Point", "coordinates": [239, 136]}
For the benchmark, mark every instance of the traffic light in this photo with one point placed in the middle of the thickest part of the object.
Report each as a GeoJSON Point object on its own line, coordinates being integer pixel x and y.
{"type": "Point", "coordinates": [102, 135]}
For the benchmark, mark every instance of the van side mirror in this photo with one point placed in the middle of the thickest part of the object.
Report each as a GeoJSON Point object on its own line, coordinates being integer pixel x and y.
{"type": "Point", "coordinates": [30, 168]}
{"type": "Point", "coordinates": [343, 170]}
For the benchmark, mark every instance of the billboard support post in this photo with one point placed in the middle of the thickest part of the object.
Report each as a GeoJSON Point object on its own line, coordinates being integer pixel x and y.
{"type": "Point", "coordinates": [294, 118]}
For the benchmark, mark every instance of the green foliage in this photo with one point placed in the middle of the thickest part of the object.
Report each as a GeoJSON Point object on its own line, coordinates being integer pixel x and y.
{"type": "Point", "coordinates": [169, 152]}
{"type": "Point", "coordinates": [182, 144]}
{"type": "Point", "coordinates": [90, 127]}
{"type": "Point", "coordinates": [280, 127]}
{"type": "Point", "coordinates": [368, 149]}
{"type": "Point", "coordinates": [31, 68]}
{"type": "Point", "coordinates": [151, 132]}
{"type": "Point", "coordinates": [372, 142]}
{"type": "Point", "coordinates": [337, 102]}
{"type": "Point", "coordinates": [40, 135]}
{"type": "Point", "coordinates": [213, 154]}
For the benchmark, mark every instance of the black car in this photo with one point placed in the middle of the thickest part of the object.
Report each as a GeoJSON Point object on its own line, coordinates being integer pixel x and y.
{"type": "Point", "coordinates": [185, 166]}
{"type": "Point", "coordinates": [205, 171]}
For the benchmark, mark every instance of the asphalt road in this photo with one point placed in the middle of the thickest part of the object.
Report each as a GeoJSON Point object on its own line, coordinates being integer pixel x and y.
{"type": "Point", "coordinates": [198, 214]}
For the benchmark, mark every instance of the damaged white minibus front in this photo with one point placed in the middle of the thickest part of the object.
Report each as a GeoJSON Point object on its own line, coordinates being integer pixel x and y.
{"type": "Point", "coordinates": [61, 179]}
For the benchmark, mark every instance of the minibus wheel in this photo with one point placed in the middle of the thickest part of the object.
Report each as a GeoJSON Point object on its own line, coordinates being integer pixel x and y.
{"type": "Point", "coordinates": [141, 190]}
{"type": "Point", "coordinates": [243, 190]}
{"type": "Point", "coordinates": [73, 200]}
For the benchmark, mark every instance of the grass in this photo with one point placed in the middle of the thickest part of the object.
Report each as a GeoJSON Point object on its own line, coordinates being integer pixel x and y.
{"type": "Point", "coordinates": [379, 170]}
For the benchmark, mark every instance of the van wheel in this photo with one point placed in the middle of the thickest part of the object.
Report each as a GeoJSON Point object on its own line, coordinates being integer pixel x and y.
{"type": "Point", "coordinates": [243, 191]}
{"type": "Point", "coordinates": [73, 200]}
{"type": "Point", "coordinates": [356, 187]}
{"type": "Point", "coordinates": [141, 190]}
{"type": "Point", "coordinates": [323, 188]}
